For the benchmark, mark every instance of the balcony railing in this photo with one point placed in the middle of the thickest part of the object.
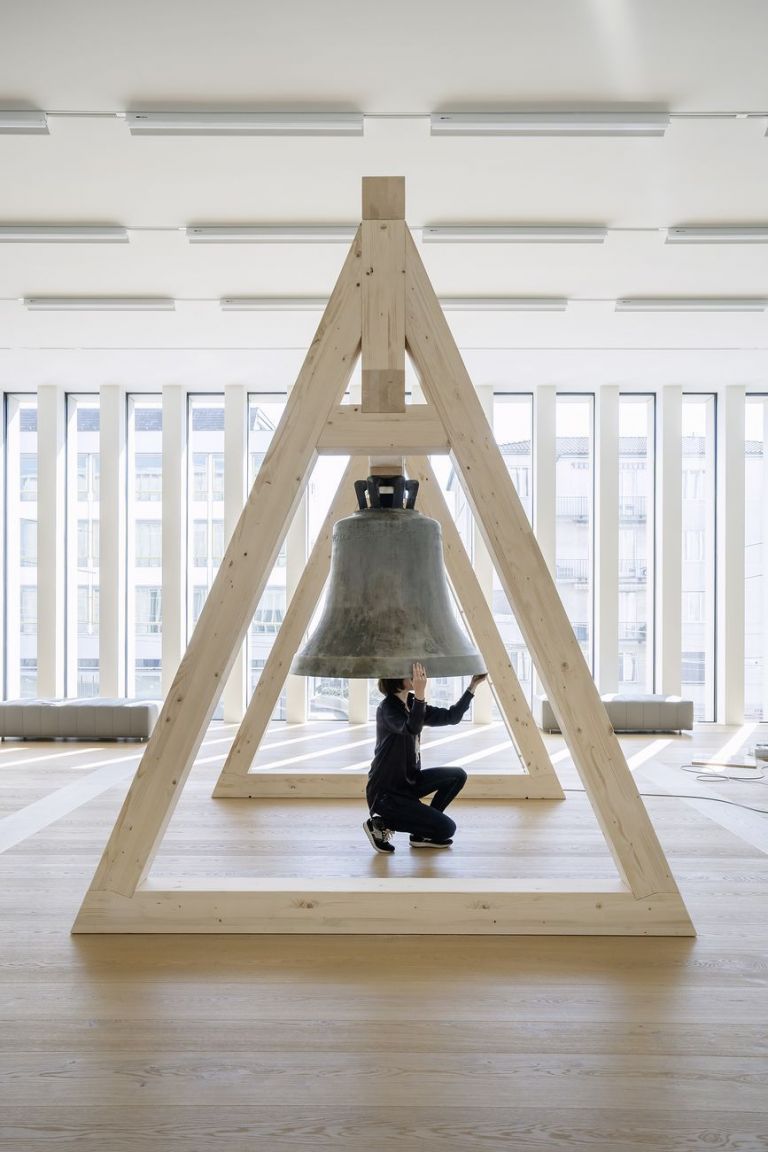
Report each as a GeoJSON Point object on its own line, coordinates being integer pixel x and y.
{"type": "Point", "coordinates": [575, 570]}
{"type": "Point", "coordinates": [633, 570]}
{"type": "Point", "coordinates": [635, 510]}
{"type": "Point", "coordinates": [633, 631]}
{"type": "Point", "coordinates": [573, 508]}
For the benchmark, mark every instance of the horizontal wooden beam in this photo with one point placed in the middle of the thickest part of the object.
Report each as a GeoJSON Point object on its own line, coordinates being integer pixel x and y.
{"type": "Point", "coordinates": [385, 904]}
{"type": "Point", "coordinates": [351, 431]}
{"type": "Point", "coordinates": [351, 786]}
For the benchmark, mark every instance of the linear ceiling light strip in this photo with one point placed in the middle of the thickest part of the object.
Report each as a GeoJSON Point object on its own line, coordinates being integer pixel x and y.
{"type": "Point", "coordinates": [99, 303]}
{"type": "Point", "coordinates": [244, 123]}
{"type": "Point", "coordinates": [549, 123]}
{"type": "Point", "coordinates": [53, 234]}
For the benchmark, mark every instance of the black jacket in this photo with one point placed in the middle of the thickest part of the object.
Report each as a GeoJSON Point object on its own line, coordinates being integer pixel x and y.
{"type": "Point", "coordinates": [396, 758]}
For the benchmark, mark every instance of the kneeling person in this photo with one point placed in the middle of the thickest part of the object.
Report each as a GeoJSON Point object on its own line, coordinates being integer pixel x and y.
{"type": "Point", "coordinates": [396, 781]}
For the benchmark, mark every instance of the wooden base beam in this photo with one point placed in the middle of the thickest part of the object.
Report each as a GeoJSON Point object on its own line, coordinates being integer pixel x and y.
{"type": "Point", "coordinates": [343, 785]}
{"type": "Point", "coordinates": [386, 905]}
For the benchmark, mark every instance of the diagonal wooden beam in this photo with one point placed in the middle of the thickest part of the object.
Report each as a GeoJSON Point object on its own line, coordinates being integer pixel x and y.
{"type": "Point", "coordinates": [289, 637]}
{"type": "Point", "coordinates": [531, 591]}
{"type": "Point", "coordinates": [521, 725]}
{"type": "Point", "coordinates": [237, 589]}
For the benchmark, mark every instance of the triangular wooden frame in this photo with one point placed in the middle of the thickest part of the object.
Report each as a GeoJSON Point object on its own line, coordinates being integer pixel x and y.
{"type": "Point", "coordinates": [383, 301]}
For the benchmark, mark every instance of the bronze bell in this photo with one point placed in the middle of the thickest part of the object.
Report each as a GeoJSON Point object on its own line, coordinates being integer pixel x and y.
{"type": "Point", "coordinates": [388, 601]}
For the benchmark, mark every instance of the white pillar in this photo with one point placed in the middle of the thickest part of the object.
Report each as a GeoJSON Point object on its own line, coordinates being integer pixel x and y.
{"type": "Point", "coordinates": [764, 567]}
{"type": "Point", "coordinates": [359, 689]}
{"type": "Point", "coordinates": [51, 538]}
{"type": "Point", "coordinates": [235, 492]}
{"type": "Point", "coordinates": [296, 710]}
{"type": "Point", "coordinates": [482, 705]}
{"type": "Point", "coordinates": [669, 521]}
{"type": "Point", "coordinates": [544, 449]}
{"type": "Point", "coordinates": [606, 566]}
{"type": "Point", "coordinates": [730, 555]}
{"type": "Point", "coordinates": [174, 530]}
{"type": "Point", "coordinates": [112, 540]}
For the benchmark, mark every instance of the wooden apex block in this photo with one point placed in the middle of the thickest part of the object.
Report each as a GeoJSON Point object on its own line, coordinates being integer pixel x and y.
{"type": "Point", "coordinates": [383, 197]}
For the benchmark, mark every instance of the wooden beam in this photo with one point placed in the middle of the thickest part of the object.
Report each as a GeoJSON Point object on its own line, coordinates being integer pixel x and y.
{"type": "Point", "coordinates": [296, 783]}
{"type": "Point", "coordinates": [297, 618]}
{"type": "Point", "coordinates": [521, 725]}
{"type": "Point", "coordinates": [236, 591]}
{"type": "Point", "coordinates": [349, 429]}
{"type": "Point", "coordinates": [391, 904]}
{"type": "Point", "coordinates": [383, 197]}
{"type": "Point", "coordinates": [383, 314]}
{"type": "Point", "coordinates": [531, 591]}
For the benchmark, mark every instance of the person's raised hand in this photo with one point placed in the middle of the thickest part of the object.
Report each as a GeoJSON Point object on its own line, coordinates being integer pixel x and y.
{"type": "Point", "coordinates": [419, 681]}
{"type": "Point", "coordinates": [477, 680]}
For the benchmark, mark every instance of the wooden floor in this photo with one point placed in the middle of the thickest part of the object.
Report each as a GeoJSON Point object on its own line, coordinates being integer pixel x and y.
{"type": "Point", "coordinates": [190, 1044]}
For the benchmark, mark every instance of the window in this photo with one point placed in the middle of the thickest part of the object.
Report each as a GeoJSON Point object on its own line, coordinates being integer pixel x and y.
{"type": "Point", "coordinates": [21, 547]}
{"type": "Point", "coordinates": [149, 543]}
{"type": "Point", "coordinates": [82, 657]}
{"type": "Point", "coordinates": [636, 540]}
{"type": "Point", "coordinates": [144, 628]}
{"type": "Point", "coordinates": [574, 536]}
{"type": "Point", "coordinates": [698, 553]}
{"type": "Point", "coordinates": [755, 558]}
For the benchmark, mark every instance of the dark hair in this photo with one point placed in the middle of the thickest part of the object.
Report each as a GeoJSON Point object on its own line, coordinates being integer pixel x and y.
{"type": "Point", "coordinates": [387, 686]}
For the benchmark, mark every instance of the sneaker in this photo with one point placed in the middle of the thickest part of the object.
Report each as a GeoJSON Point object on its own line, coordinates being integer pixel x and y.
{"type": "Point", "coordinates": [425, 842]}
{"type": "Point", "coordinates": [378, 835]}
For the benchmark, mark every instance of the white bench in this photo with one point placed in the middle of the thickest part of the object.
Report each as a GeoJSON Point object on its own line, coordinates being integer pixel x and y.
{"type": "Point", "coordinates": [94, 718]}
{"type": "Point", "coordinates": [629, 713]}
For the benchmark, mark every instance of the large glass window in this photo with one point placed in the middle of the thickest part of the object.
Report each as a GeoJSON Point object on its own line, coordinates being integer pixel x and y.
{"type": "Point", "coordinates": [574, 532]}
{"type": "Point", "coordinates": [755, 559]}
{"type": "Point", "coordinates": [636, 488]}
{"type": "Point", "coordinates": [205, 499]}
{"type": "Point", "coordinates": [144, 630]}
{"type": "Point", "coordinates": [21, 547]}
{"type": "Point", "coordinates": [698, 555]}
{"type": "Point", "coordinates": [83, 556]}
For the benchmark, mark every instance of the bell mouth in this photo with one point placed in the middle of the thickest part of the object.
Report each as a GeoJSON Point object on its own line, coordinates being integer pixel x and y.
{"type": "Point", "coordinates": [387, 667]}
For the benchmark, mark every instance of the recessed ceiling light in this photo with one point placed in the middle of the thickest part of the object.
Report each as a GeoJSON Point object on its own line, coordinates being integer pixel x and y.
{"type": "Point", "coordinates": [55, 234]}
{"type": "Point", "coordinates": [504, 303]}
{"type": "Point", "coordinates": [245, 123]}
{"type": "Point", "coordinates": [691, 304]}
{"type": "Point", "coordinates": [99, 303]}
{"type": "Point", "coordinates": [549, 123]}
{"type": "Point", "coordinates": [24, 123]}
{"type": "Point", "coordinates": [501, 234]}
{"type": "Point", "coordinates": [272, 303]}
{"type": "Point", "coordinates": [276, 234]}
{"type": "Point", "coordinates": [718, 235]}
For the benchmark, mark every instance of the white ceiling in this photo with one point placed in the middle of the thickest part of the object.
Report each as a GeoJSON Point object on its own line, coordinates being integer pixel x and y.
{"type": "Point", "coordinates": [82, 58]}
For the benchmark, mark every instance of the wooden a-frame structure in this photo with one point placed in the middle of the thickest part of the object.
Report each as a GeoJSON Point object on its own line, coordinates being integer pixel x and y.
{"type": "Point", "coordinates": [382, 304]}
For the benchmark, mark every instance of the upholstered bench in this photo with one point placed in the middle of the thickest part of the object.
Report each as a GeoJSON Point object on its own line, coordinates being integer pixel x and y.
{"type": "Point", "coordinates": [629, 713]}
{"type": "Point", "coordinates": [93, 718]}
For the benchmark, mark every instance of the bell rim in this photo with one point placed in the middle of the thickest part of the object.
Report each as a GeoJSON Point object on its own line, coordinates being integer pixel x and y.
{"type": "Point", "coordinates": [388, 667]}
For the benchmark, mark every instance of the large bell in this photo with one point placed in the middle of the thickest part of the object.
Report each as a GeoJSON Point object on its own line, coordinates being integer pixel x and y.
{"type": "Point", "coordinates": [388, 601]}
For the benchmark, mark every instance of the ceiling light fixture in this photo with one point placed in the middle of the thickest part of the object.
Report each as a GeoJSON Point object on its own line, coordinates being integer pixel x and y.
{"type": "Point", "coordinates": [24, 123]}
{"type": "Point", "coordinates": [272, 303]}
{"type": "Point", "coordinates": [55, 234]}
{"type": "Point", "coordinates": [245, 123]}
{"type": "Point", "coordinates": [549, 123]}
{"type": "Point", "coordinates": [503, 303]}
{"type": "Point", "coordinates": [718, 235]}
{"type": "Point", "coordinates": [469, 234]}
{"type": "Point", "coordinates": [99, 303]}
{"type": "Point", "coordinates": [280, 234]}
{"type": "Point", "coordinates": [692, 304]}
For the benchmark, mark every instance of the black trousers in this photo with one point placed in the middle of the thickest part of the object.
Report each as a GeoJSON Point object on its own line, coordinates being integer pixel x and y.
{"type": "Point", "coordinates": [408, 814]}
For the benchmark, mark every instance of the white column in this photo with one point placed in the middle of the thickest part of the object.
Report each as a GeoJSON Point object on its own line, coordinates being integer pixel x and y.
{"type": "Point", "coordinates": [482, 705]}
{"type": "Point", "coordinates": [51, 539]}
{"type": "Point", "coordinates": [174, 530]}
{"type": "Point", "coordinates": [544, 472]}
{"type": "Point", "coordinates": [359, 689]}
{"type": "Point", "coordinates": [606, 566]}
{"type": "Point", "coordinates": [764, 568]}
{"type": "Point", "coordinates": [730, 555]}
{"type": "Point", "coordinates": [669, 521]}
{"type": "Point", "coordinates": [112, 540]}
{"type": "Point", "coordinates": [235, 492]}
{"type": "Point", "coordinates": [296, 711]}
